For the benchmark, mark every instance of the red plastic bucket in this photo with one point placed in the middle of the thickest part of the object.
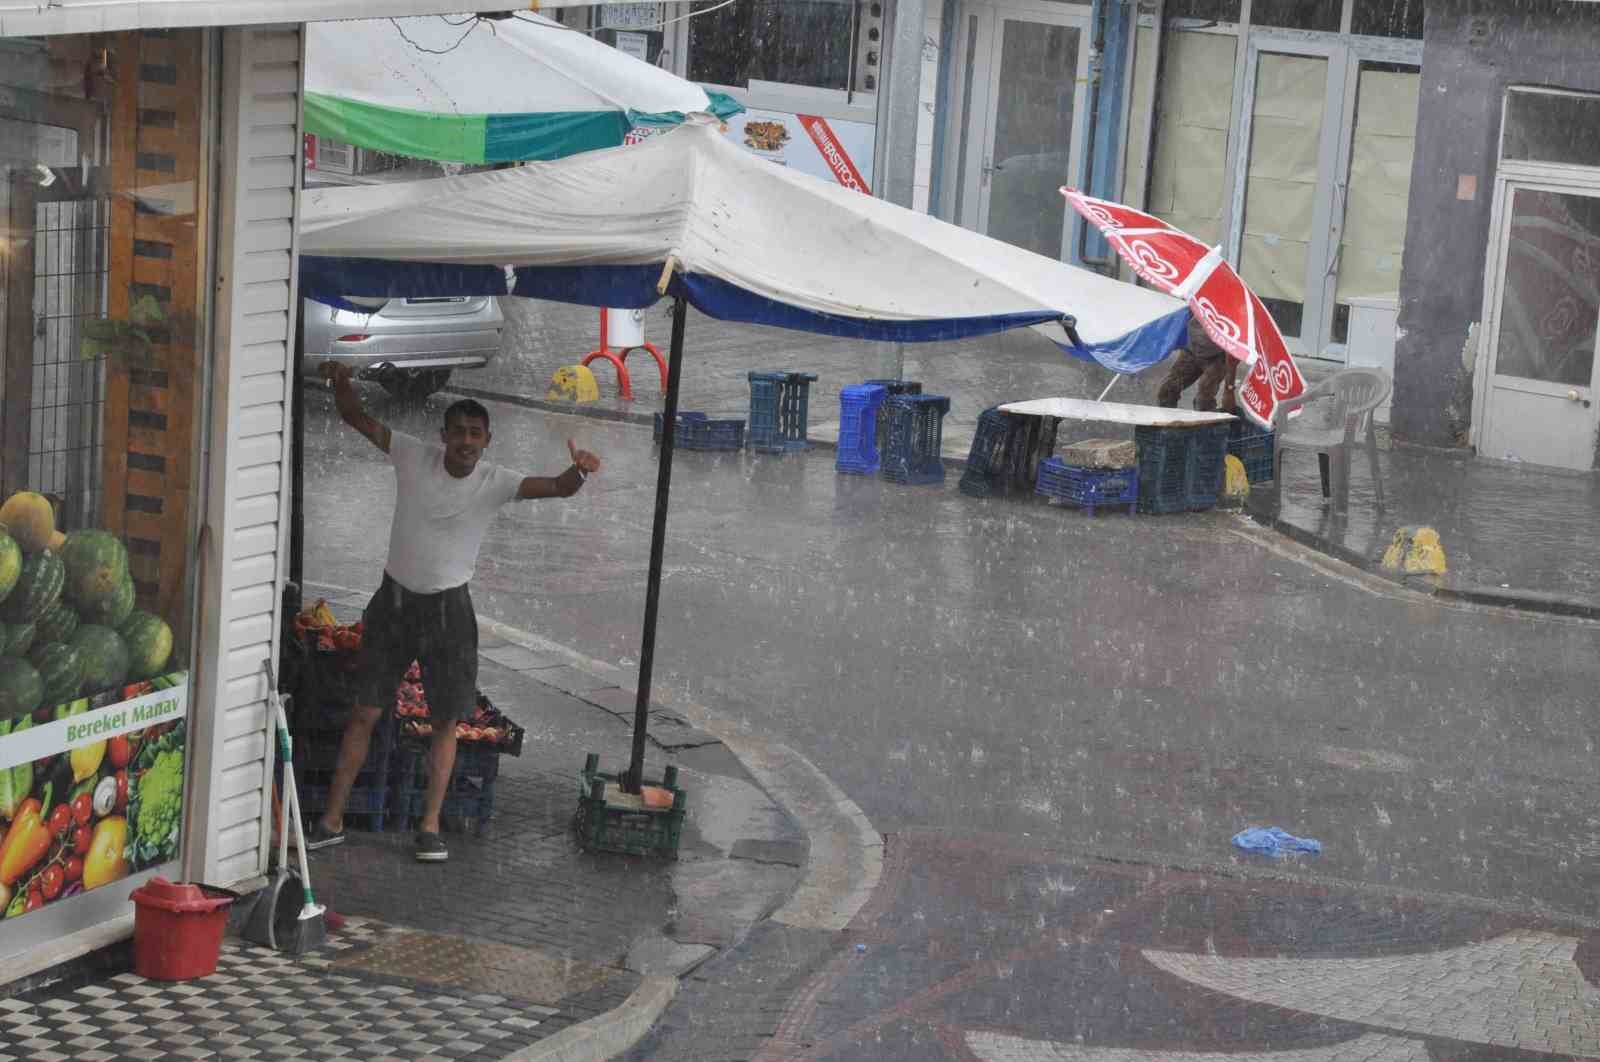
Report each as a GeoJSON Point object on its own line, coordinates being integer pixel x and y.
{"type": "Point", "coordinates": [177, 929]}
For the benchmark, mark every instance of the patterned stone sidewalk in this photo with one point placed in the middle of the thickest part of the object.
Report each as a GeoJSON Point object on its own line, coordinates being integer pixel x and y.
{"type": "Point", "coordinates": [365, 995]}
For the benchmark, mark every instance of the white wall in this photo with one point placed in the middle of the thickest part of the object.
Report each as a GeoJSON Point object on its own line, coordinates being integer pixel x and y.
{"type": "Point", "coordinates": [247, 510]}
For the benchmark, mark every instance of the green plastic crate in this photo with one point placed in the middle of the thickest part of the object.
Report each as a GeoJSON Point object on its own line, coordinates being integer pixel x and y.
{"type": "Point", "coordinates": [643, 831]}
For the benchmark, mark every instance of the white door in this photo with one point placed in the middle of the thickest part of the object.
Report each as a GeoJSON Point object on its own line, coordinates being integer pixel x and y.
{"type": "Point", "coordinates": [1543, 308]}
{"type": "Point", "coordinates": [1025, 98]}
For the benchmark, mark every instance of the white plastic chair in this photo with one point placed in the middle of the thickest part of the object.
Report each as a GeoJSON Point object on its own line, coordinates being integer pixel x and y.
{"type": "Point", "coordinates": [1334, 412]}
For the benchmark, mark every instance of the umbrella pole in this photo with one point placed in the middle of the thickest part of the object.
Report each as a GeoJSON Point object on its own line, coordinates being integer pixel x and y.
{"type": "Point", "coordinates": [634, 780]}
{"type": "Point", "coordinates": [1109, 386]}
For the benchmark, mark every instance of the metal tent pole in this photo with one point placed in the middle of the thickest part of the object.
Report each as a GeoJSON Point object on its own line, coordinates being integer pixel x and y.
{"type": "Point", "coordinates": [632, 782]}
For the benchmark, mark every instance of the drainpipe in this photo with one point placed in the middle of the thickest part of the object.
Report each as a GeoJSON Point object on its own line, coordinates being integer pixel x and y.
{"type": "Point", "coordinates": [894, 155]}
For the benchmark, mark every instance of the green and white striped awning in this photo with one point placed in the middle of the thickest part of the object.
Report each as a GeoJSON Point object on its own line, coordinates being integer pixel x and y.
{"type": "Point", "coordinates": [455, 89]}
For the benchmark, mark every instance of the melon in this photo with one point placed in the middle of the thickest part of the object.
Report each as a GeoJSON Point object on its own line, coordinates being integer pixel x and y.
{"type": "Point", "coordinates": [31, 521]}
{"type": "Point", "coordinates": [38, 587]}
{"type": "Point", "coordinates": [60, 669]}
{"type": "Point", "coordinates": [97, 562]}
{"type": "Point", "coordinates": [104, 656]}
{"type": "Point", "coordinates": [149, 642]}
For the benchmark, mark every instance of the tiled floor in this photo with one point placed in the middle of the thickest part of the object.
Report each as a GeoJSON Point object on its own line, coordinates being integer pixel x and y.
{"type": "Point", "coordinates": [262, 1004]}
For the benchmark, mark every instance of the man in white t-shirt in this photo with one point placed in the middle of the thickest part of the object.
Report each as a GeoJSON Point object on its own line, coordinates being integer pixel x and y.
{"type": "Point", "coordinates": [445, 498]}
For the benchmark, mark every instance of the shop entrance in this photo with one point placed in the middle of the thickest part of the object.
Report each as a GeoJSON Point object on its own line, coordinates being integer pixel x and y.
{"type": "Point", "coordinates": [1319, 194]}
{"type": "Point", "coordinates": [1024, 72]}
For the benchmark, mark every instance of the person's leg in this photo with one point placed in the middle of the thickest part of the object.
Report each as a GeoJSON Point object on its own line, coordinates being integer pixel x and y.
{"type": "Point", "coordinates": [441, 761]}
{"type": "Point", "coordinates": [1211, 376]}
{"type": "Point", "coordinates": [448, 656]}
{"type": "Point", "coordinates": [384, 659]}
{"type": "Point", "coordinates": [1185, 371]}
{"type": "Point", "coordinates": [352, 755]}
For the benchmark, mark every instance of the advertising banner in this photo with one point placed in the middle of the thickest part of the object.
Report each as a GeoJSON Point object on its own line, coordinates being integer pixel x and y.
{"type": "Point", "coordinates": [829, 148]}
{"type": "Point", "coordinates": [91, 791]}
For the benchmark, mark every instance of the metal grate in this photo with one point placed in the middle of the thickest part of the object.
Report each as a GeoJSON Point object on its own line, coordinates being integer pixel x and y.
{"type": "Point", "coordinates": [67, 403]}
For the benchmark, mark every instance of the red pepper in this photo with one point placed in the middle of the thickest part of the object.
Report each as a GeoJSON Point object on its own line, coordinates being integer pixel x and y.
{"type": "Point", "coordinates": [26, 843]}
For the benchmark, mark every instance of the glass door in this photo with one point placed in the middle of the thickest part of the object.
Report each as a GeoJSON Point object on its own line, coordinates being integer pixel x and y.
{"type": "Point", "coordinates": [1283, 188]}
{"type": "Point", "coordinates": [1025, 123]}
{"type": "Point", "coordinates": [1320, 191]}
{"type": "Point", "coordinates": [1544, 304]}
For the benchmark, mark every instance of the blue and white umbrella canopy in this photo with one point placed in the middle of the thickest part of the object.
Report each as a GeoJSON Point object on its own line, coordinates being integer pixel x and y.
{"type": "Point", "coordinates": [750, 241]}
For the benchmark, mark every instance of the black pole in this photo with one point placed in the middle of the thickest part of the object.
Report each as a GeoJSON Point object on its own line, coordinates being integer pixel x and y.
{"type": "Point", "coordinates": [297, 466]}
{"type": "Point", "coordinates": [634, 780]}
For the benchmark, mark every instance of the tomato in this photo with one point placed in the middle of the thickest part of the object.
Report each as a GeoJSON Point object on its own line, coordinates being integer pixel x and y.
{"type": "Point", "coordinates": [74, 868]}
{"type": "Point", "coordinates": [52, 881]}
{"type": "Point", "coordinates": [60, 821]}
{"type": "Point", "coordinates": [82, 808]}
{"type": "Point", "coordinates": [119, 751]}
{"type": "Point", "coordinates": [35, 899]}
{"type": "Point", "coordinates": [122, 791]}
{"type": "Point", "coordinates": [80, 840]}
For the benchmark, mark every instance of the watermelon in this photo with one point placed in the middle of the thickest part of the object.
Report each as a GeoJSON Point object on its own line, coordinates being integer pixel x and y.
{"type": "Point", "coordinates": [111, 611]}
{"type": "Point", "coordinates": [149, 642]}
{"type": "Point", "coordinates": [21, 688]}
{"type": "Point", "coordinates": [60, 669]}
{"type": "Point", "coordinates": [97, 562]}
{"type": "Point", "coordinates": [38, 587]}
{"type": "Point", "coordinates": [56, 625]}
{"type": "Point", "coordinates": [104, 656]}
{"type": "Point", "coordinates": [10, 564]}
{"type": "Point", "coordinates": [16, 638]}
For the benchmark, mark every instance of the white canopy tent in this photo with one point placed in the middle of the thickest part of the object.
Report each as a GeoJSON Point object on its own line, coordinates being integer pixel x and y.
{"type": "Point", "coordinates": [690, 215]}
{"type": "Point", "coordinates": [466, 89]}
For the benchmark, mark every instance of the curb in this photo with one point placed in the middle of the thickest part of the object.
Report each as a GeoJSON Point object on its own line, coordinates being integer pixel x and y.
{"type": "Point", "coordinates": [1531, 601]}
{"type": "Point", "coordinates": [605, 1035]}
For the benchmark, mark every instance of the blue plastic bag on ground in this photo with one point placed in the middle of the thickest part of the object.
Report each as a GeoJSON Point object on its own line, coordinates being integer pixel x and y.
{"type": "Point", "coordinates": [1274, 842]}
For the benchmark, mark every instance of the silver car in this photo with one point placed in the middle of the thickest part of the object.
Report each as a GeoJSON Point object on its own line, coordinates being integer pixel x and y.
{"type": "Point", "coordinates": [410, 346]}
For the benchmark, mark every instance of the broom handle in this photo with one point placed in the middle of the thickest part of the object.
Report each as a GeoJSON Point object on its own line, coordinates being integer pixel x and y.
{"type": "Point", "coordinates": [294, 798]}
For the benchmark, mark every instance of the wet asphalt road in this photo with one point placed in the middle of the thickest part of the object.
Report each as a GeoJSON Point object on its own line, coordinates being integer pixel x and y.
{"type": "Point", "coordinates": [1010, 677]}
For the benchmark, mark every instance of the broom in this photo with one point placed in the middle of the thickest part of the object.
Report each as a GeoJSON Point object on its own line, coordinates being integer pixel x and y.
{"type": "Point", "coordinates": [310, 929]}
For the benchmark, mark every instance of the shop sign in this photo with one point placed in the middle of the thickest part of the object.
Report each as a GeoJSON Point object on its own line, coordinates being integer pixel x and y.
{"type": "Point", "coordinates": [91, 791]}
{"type": "Point", "coordinates": [634, 44]}
{"type": "Point", "coordinates": [829, 148]}
{"type": "Point", "coordinates": [630, 16]}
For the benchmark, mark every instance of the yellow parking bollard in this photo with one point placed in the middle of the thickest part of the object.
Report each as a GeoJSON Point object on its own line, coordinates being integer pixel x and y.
{"type": "Point", "coordinates": [573, 383]}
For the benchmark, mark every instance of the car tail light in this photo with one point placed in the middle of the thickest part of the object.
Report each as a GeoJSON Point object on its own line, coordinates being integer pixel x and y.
{"type": "Point", "coordinates": [355, 337]}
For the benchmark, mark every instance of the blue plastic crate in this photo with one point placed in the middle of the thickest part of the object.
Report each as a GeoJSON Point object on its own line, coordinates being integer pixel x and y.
{"type": "Point", "coordinates": [1088, 487]}
{"type": "Point", "coordinates": [1253, 446]}
{"type": "Point", "coordinates": [858, 429]}
{"type": "Point", "coordinates": [696, 431]}
{"type": "Point", "coordinates": [891, 388]}
{"type": "Point", "coordinates": [779, 406]}
{"type": "Point", "coordinates": [1180, 469]}
{"type": "Point", "coordinates": [916, 439]}
{"type": "Point", "coordinates": [1006, 451]}
{"type": "Point", "coordinates": [470, 796]}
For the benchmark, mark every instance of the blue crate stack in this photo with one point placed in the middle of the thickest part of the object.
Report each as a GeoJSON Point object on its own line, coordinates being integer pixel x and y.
{"type": "Point", "coordinates": [858, 429]}
{"type": "Point", "coordinates": [916, 438]}
{"type": "Point", "coordinates": [779, 406]}
{"type": "Point", "coordinates": [696, 431]}
{"type": "Point", "coordinates": [1180, 469]}
{"type": "Point", "coordinates": [1252, 445]}
{"type": "Point", "coordinates": [316, 751]}
{"type": "Point", "coordinates": [470, 797]}
{"type": "Point", "coordinates": [999, 452]}
{"type": "Point", "coordinates": [1088, 487]}
{"type": "Point", "coordinates": [891, 388]}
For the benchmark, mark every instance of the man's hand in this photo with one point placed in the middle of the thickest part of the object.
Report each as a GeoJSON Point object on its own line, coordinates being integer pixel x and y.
{"type": "Point", "coordinates": [586, 462]}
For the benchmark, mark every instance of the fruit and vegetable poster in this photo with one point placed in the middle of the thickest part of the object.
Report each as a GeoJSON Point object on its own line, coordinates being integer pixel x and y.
{"type": "Point", "coordinates": [92, 716]}
{"type": "Point", "coordinates": [92, 792]}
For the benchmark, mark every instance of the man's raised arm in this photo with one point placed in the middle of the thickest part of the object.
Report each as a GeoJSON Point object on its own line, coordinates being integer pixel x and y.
{"type": "Point", "coordinates": [349, 403]}
{"type": "Point", "coordinates": [584, 464]}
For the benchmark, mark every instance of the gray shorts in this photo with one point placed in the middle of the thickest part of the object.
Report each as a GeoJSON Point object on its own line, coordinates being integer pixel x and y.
{"type": "Point", "coordinates": [439, 631]}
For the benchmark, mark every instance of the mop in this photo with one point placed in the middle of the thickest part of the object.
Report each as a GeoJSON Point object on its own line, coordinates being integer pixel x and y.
{"type": "Point", "coordinates": [272, 921]}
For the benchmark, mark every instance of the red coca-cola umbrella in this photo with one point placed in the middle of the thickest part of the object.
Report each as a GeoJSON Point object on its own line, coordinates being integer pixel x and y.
{"type": "Point", "coordinates": [1232, 314]}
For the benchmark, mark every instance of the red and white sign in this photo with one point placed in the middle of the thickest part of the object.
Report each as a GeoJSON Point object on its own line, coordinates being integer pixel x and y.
{"type": "Point", "coordinates": [833, 153]}
{"type": "Point", "coordinates": [830, 148]}
{"type": "Point", "coordinates": [311, 151]}
{"type": "Point", "coordinates": [1232, 315]}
